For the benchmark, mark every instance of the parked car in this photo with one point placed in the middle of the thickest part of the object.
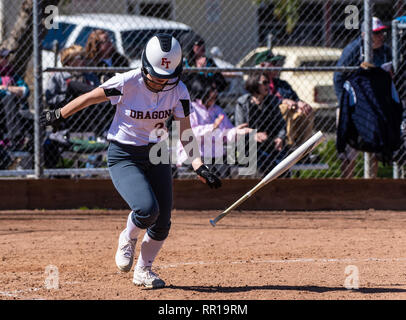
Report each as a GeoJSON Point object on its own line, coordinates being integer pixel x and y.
{"type": "Point", "coordinates": [129, 34]}
{"type": "Point", "coordinates": [316, 88]}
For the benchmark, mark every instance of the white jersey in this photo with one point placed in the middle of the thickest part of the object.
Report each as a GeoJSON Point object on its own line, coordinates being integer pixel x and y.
{"type": "Point", "coordinates": [139, 111]}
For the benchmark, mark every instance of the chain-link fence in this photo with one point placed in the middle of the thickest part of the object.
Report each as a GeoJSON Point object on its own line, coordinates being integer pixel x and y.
{"type": "Point", "coordinates": [306, 37]}
{"type": "Point", "coordinates": [399, 64]}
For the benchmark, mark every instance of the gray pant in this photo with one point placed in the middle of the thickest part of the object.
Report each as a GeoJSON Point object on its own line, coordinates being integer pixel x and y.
{"type": "Point", "coordinates": [147, 188]}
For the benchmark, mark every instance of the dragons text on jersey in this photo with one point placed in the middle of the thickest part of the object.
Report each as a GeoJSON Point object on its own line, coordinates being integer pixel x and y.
{"type": "Point", "coordinates": [139, 111]}
{"type": "Point", "coordinates": [150, 115]}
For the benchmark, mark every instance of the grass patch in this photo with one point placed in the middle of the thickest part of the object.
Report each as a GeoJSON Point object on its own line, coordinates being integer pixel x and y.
{"type": "Point", "coordinates": [327, 152]}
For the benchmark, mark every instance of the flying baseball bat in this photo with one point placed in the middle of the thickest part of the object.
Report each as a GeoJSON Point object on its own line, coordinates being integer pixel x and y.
{"type": "Point", "coordinates": [283, 166]}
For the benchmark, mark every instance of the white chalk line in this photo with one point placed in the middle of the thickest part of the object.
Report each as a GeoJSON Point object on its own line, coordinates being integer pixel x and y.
{"type": "Point", "coordinates": [275, 261]}
{"type": "Point", "coordinates": [19, 293]}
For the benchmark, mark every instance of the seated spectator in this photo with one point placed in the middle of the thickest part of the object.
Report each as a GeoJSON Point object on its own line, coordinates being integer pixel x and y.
{"type": "Point", "coordinates": [298, 114]}
{"type": "Point", "coordinates": [260, 110]}
{"type": "Point", "coordinates": [100, 52]}
{"type": "Point", "coordinates": [65, 86]}
{"type": "Point", "coordinates": [353, 55]}
{"type": "Point", "coordinates": [14, 92]}
{"type": "Point", "coordinates": [195, 56]}
{"type": "Point", "coordinates": [60, 89]}
{"type": "Point", "coordinates": [209, 121]}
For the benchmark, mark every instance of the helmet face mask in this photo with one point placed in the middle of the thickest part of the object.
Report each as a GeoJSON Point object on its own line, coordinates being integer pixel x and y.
{"type": "Point", "coordinates": [162, 59]}
{"type": "Point", "coordinates": [156, 86]}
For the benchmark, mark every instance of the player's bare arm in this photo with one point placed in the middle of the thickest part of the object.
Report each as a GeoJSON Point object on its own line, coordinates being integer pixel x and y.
{"type": "Point", "coordinates": [93, 97]}
{"type": "Point", "coordinates": [54, 117]}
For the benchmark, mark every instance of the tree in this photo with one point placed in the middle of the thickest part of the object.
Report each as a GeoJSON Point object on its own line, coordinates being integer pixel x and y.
{"type": "Point", "coordinates": [286, 10]}
{"type": "Point", "coordinates": [20, 39]}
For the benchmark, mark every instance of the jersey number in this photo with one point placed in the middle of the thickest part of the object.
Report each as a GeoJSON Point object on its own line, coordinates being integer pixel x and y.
{"type": "Point", "coordinates": [159, 130]}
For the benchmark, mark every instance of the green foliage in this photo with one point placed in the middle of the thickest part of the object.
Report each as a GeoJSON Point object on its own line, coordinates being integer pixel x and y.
{"type": "Point", "coordinates": [64, 2]}
{"type": "Point", "coordinates": [285, 10]}
{"type": "Point", "coordinates": [288, 10]}
{"type": "Point", "coordinates": [84, 208]}
{"type": "Point", "coordinates": [385, 171]}
{"type": "Point", "coordinates": [327, 152]}
{"type": "Point", "coordinates": [65, 163]}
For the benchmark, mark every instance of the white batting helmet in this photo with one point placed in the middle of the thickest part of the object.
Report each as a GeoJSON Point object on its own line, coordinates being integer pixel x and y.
{"type": "Point", "coordinates": [162, 58]}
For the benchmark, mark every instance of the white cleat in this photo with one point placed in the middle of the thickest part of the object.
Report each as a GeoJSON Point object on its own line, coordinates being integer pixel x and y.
{"type": "Point", "coordinates": [125, 252]}
{"type": "Point", "coordinates": [143, 276]}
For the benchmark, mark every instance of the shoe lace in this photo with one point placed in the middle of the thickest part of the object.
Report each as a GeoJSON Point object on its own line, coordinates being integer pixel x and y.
{"type": "Point", "coordinates": [150, 274]}
{"type": "Point", "coordinates": [128, 248]}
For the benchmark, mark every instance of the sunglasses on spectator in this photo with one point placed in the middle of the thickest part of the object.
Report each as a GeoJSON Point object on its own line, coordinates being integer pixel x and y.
{"type": "Point", "coordinates": [264, 83]}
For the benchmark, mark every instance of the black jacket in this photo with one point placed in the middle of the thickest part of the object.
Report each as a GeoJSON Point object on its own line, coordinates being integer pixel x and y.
{"type": "Point", "coordinates": [264, 118]}
{"type": "Point", "coordinates": [370, 113]}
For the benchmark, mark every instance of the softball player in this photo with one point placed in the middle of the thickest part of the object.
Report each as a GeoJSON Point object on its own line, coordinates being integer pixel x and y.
{"type": "Point", "coordinates": [144, 99]}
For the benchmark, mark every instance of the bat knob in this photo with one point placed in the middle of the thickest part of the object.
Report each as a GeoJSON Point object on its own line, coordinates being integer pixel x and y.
{"type": "Point", "coordinates": [212, 223]}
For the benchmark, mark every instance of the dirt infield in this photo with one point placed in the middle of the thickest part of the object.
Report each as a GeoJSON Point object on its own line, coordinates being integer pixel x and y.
{"type": "Point", "coordinates": [249, 255]}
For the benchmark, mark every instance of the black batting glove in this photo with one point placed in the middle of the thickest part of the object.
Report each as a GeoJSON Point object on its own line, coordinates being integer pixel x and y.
{"type": "Point", "coordinates": [51, 118]}
{"type": "Point", "coordinates": [207, 177]}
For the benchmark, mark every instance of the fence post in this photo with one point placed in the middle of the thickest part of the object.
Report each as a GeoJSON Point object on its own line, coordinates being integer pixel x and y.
{"type": "Point", "coordinates": [55, 49]}
{"type": "Point", "coordinates": [269, 41]}
{"type": "Point", "coordinates": [368, 58]}
{"type": "Point", "coordinates": [2, 21]}
{"type": "Point", "coordinates": [395, 47]}
{"type": "Point", "coordinates": [395, 62]}
{"type": "Point", "coordinates": [38, 132]}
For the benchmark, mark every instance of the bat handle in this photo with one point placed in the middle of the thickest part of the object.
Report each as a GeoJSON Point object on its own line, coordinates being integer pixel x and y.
{"type": "Point", "coordinates": [213, 222]}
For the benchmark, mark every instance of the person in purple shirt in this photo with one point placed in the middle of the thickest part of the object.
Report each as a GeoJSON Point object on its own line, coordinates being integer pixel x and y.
{"type": "Point", "coordinates": [211, 126]}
